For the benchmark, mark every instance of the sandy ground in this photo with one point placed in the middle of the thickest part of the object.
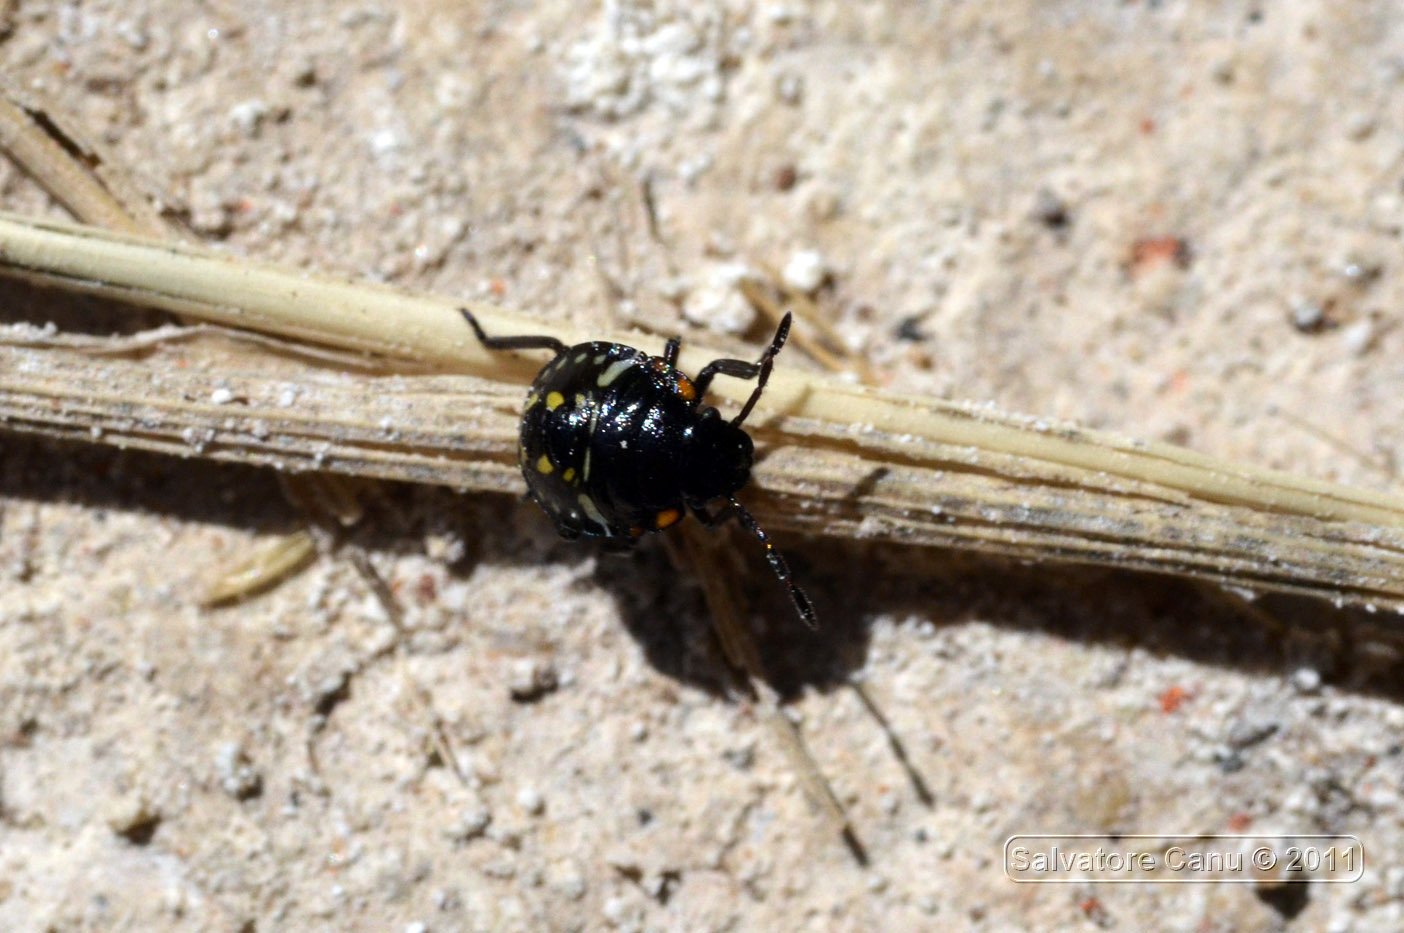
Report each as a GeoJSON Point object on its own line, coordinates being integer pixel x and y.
{"type": "Point", "coordinates": [1177, 220]}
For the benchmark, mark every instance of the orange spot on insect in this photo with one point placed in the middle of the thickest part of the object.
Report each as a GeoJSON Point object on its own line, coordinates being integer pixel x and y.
{"type": "Point", "coordinates": [1173, 698]}
{"type": "Point", "coordinates": [666, 517]}
{"type": "Point", "coordinates": [636, 531]}
{"type": "Point", "coordinates": [685, 388]}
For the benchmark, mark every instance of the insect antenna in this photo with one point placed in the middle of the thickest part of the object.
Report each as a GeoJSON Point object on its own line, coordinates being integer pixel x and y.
{"type": "Point", "coordinates": [777, 563]}
{"type": "Point", "coordinates": [522, 342]}
{"type": "Point", "coordinates": [763, 367]}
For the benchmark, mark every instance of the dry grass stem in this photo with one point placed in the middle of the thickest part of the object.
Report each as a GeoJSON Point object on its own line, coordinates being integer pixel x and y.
{"type": "Point", "coordinates": [838, 460]}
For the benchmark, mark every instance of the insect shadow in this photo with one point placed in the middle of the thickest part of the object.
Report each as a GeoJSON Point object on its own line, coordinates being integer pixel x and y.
{"type": "Point", "coordinates": [663, 608]}
{"type": "Point", "coordinates": [855, 585]}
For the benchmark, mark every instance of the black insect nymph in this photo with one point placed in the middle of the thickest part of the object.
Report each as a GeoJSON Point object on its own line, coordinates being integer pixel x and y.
{"type": "Point", "coordinates": [617, 444]}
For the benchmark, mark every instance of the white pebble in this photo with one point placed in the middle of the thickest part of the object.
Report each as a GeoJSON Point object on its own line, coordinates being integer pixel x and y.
{"type": "Point", "coordinates": [1306, 679]}
{"type": "Point", "coordinates": [1358, 336]}
{"type": "Point", "coordinates": [805, 271]}
{"type": "Point", "coordinates": [248, 116]}
{"type": "Point", "coordinates": [530, 800]}
{"type": "Point", "coordinates": [221, 396]}
{"type": "Point", "coordinates": [717, 303]}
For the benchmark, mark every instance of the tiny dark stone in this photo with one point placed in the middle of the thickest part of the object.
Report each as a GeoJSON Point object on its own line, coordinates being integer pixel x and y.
{"type": "Point", "coordinates": [909, 329]}
{"type": "Point", "coordinates": [1051, 211]}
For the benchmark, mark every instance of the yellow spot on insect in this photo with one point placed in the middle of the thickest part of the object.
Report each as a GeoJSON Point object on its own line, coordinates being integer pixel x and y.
{"type": "Point", "coordinates": [554, 400]}
{"type": "Point", "coordinates": [543, 465]}
{"type": "Point", "coordinates": [532, 399]}
{"type": "Point", "coordinates": [666, 517]}
{"type": "Point", "coordinates": [569, 475]}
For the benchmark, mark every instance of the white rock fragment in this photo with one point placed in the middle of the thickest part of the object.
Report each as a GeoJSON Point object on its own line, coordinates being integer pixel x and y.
{"type": "Point", "coordinates": [717, 303]}
{"type": "Point", "coordinates": [471, 823]}
{"type": "Point", "coordinates": [248, 116]}
{"type": "Point", "coordinates": [805, 271]}
{"type": "Point", "coordinates": [530, 800]}
{"type": "Point", "coordinates": [1357, 336]}
{"type": "Point", "coordinates": [1306, 679]}
{"type": "Point", "coordinates": [237, 776]}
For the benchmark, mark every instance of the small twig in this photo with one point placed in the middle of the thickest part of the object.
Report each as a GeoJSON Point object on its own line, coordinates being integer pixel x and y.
{"type": "Point", "coordinates": [839, 460]}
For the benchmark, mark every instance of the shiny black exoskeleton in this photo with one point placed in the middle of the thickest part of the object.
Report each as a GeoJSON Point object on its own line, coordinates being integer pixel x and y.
{"type": "Point", "coordinates": [616, 443]}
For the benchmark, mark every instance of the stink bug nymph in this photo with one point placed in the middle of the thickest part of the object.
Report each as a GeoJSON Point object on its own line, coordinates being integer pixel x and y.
{"type": "Point", "coordinates": [617, 444]}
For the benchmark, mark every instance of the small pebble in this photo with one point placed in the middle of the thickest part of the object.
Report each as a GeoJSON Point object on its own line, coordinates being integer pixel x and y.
{"type": "Point", "coordinates": [717, 303]}
{"type": "Point", "coordinates": [532, 679]}
{"type": "Point", "coordinates": [471, 824]}
{"type": "Point", "coordinates": [237, 776]}
{"type": "Point", "coordinates": [1050, 210]}
{"type": "Point", "coordinates": [248, 116]}
{"type": "Point", "coordinates": [805, 271]}
{"type": "Point", "coordinates": [530, 800]}
{"type": "Point", "coordinates": [1306, 679]}
{"type": "Point", "coordinates": [1308, 316]}
{"type": "Point", "coordinates": [221, 396]}
{"type": "Point", "coordinates": [616, 909]}
{"type": "Point", "coordinates": [1358, 336]}
{"type": "Point", "coordinates": [133, 817]}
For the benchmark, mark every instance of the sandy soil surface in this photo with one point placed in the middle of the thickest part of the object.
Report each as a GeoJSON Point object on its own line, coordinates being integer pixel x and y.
{"type": "Point", "coordinates": [1176, 220]}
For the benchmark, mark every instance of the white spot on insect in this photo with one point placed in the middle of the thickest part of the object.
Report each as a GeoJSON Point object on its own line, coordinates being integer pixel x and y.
{"type": "Point", "coordinates": [592, 511]}
{"type": "Point", "coordinates": [580, 357]}
{"type": "Point", "coordinates": [612, 372]}
{"type": "Point", "coordinates": [599, 358]}
{"type": "Point", "coordinates": [589, 435]}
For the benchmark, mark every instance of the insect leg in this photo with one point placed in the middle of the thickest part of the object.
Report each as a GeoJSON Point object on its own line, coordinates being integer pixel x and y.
{"type": "Point", "coordinates": [777, 563]}
{"type": "Point", "coordinates": [541, 342]}
{"type": "Point", "coordinates": [740, 369]}
{"type": "Point", "coordinates": [670, 351]}
{"type": "Point", "coordinates": [711, 518]}
{"type": "Point", "coordinates": [568, 528]}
